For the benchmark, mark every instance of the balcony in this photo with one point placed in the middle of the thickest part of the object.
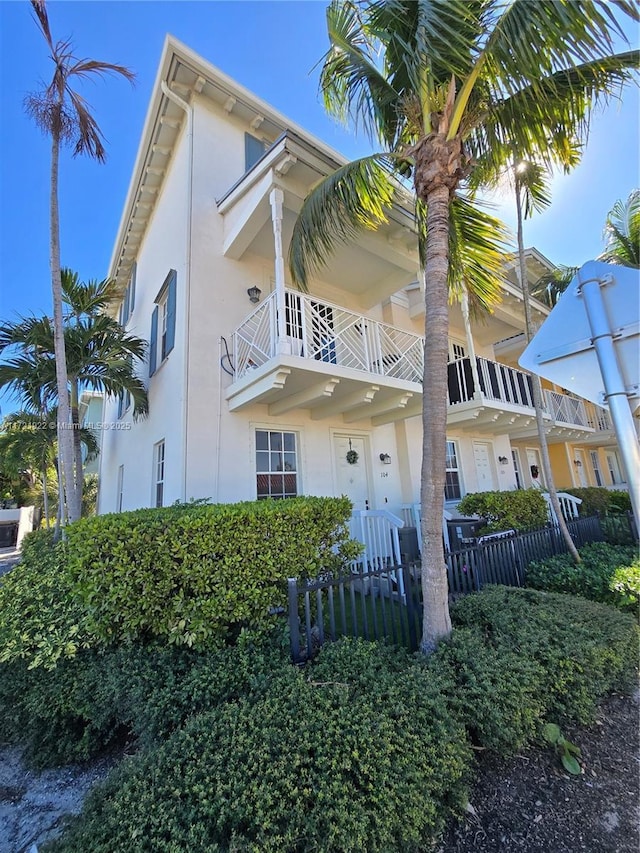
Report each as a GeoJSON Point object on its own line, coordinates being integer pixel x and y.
{"type": "Point", "coordinates": [332, 361]}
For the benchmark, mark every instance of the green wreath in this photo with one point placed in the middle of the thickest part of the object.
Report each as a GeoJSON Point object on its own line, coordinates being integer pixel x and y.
{"type": "Point", "coordinates": [352, 457]}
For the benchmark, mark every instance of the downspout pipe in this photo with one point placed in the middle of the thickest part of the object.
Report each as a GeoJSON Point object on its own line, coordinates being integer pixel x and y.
{"type": "Point", "coordinates": [188, 109]}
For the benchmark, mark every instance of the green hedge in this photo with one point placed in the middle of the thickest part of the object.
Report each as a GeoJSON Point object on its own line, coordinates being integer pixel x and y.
{"type": "Point", "coordinates": [357, 753]}
{"type": "Point", "coordinates": [607, 573]}
{"type": "Point", "coordinates": [41, 620]}
{"type": "Point", "coordinates": [601, 501]}
{"type": "Point", "coordinates": [523, 509]}
{"type": "Point", "coordinates": [584, 649]}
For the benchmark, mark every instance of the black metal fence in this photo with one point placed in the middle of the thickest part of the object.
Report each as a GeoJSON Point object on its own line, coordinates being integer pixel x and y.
{"type": "Point", "coordinates": [387, 603]}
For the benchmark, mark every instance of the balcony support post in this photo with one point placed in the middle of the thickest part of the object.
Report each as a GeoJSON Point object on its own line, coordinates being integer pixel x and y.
{"type": "Point", "coordinates": [470, 347]}
{"type": "Point", "coordinates": [276, 199]}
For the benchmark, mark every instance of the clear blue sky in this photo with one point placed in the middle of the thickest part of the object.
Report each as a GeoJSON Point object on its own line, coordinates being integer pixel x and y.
{"type": "Point", "coordinates": [271, 48]}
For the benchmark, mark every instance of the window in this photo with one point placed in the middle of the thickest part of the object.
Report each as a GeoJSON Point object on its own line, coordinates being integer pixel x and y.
{"type": "Point", "coordinates": [452, 490]}
{"type": "Point", "coordinates": [119, 490]}
{"type": "Point", "coordinates": [595, 464]}
{"type": "Point", "coordinates": [163, 322]}
{"type": "Point", "coordinates": [129, 299]}
{"type": "Point", "coordinates": [276, 464]}
{"type": "Point", "coordinates": [515, 455]}
{"type": "Point", "coordinates": [254, 148]}
{"type": "Point", "coordinates": [158, 473]}
{"type": "Point", "coordinates": [456, 351]}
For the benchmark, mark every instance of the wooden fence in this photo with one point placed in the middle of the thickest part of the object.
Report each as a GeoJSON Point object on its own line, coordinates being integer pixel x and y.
{"type": "Point", "coordinates": [387, 602]}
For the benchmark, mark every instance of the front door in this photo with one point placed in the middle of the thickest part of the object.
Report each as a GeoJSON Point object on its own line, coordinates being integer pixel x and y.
{"type": "Point", "coordinates": [580, 468]}
{"type": "Point", "coordinates": [484, 466]}
{"type": "Point", "coordinates": [351, 470]}
{"type": "Point", "coordinates": [536, 477]}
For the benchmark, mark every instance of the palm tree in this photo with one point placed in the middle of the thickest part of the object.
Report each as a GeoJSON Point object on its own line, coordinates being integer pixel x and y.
{"type": "Point", "coordinates": [622, 232]}
{"type": "Point", "coordinates": [63, 114]}
{"type": "Point", "coordinates": [449, 88]}
{"type": "Point", "coordinates": [100, 356]}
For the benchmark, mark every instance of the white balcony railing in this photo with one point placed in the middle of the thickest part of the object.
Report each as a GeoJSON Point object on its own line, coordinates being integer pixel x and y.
{"type": "Point", "coordinates": [328, 333]}
{"type": "Point", "coordinates": [567, 410]}
{"type": "Point", "coordinates": [598, 418]}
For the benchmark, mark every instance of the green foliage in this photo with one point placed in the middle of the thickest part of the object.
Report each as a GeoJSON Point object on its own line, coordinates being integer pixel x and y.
{"type": "Point", "coordinates": [523, 509]}
{"type": "Point", "coordinates": [565, 749]}
{"type": "Point", "coordinates": [594, 577]}
{"type": "Point", "coordinates": [601, 501]}
{"type": "Point", "coordinates": [494, 690]}
{"type": "Point", "coordinates": [41, 621]}
{"type": "Point", "coordinates": [584, 649]}
{"type": "Point", "coordinates": [194, 574]}
{"type": "Point", "coordinates": [336, 757]}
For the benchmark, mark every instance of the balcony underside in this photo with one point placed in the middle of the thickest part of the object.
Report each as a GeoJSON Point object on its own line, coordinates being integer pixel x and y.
{"type": "Point", "coordinates": [289, 382]}
{"type": "Point", "coordinates": [482, 415]}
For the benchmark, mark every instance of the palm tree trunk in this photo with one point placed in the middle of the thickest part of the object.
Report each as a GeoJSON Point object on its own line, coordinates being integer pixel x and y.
{"type": "Point", "coordinates": [537, 388]}
{"type": "Point", "coordinates": [65, 437]}
{"type": "Point", "coordinates": [435, 590]}
{"type": "Point", "coordinates": [77, 445]}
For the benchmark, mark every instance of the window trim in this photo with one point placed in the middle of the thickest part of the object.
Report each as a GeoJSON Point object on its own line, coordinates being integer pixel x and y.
{"type": "Point", "coordinates": [159, 467]}
{"type": "Point", "coordinates": [162, 339]}
{"type": "Point", "coordinates": [281, 430]}
{"type": "Point", "coordinates": [457, 470]}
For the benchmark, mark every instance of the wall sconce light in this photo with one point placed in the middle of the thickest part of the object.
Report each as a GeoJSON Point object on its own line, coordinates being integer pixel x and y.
{"type": "Point", "coordinates": [577, 463]}
{"type": "Point", "coordinates": [503, 460]}
{"type": "Point", "coordinates": [385, 459]}
{"type": "Point", "coordinates": [254, 294]}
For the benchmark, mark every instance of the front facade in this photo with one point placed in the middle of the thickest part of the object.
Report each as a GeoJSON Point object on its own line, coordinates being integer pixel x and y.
{"type": "Point", "coordinates": [258, 390]}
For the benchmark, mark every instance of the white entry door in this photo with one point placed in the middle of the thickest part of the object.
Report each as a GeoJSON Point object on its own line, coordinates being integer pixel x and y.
{"type": "Point", "coordinates": [352, 476]}
{"type": "Point", "coordinates": [484, 466]}
{"type": "Point", "coordinates": [533, 462]}
{"type": "Point", "coordinates": [581, 471]}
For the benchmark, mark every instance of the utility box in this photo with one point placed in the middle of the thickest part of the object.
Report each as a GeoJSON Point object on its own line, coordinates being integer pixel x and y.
{"type": "Point", "coordinates": [461, 530]}
{"type": "Point", "coordinates": [409, 552]}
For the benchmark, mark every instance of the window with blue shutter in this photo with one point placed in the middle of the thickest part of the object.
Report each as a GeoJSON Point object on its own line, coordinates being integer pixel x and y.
{"type": "Point", "coordinates": [254, 148]}
{"type": "Point", "coordinates": [132, 288]}
{"type": "Point", "coordinates": [153, 342]}
{"type": "Point", "coordinates": [120, 405]}
{"type": "Point", "coordinates": [169, 325]}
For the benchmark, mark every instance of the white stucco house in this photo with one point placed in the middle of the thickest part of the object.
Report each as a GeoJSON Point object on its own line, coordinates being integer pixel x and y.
{"type": "Point", "coordinates": [256, 389]}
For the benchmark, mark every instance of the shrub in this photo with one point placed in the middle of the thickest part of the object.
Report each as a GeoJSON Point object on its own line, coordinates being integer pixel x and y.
{"type": "Point", "coordinates": [585, 649]}
{"type": "Point", "coordinates": [337, 757]}
{"type": "Point", "coordinates": [494, 691]}
{"type": "Point", "coordinates": [523, 509]}
{"type": "Point", "coordinates": [601, 501]}
{"type": "Point", "coordinates": [625, 583]}
{"type": "Point", "coordinates": [41, 621]}
{"type": "Point", "coordinates": [196, 574]}
{"type": "Point", "coordinates": [593, 577]}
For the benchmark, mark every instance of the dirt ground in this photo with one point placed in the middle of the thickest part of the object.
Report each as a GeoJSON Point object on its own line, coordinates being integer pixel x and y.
{"type": "Point", "coordinates": [525, 804]}
{"type": "Point", "coordinates": [529, 803]}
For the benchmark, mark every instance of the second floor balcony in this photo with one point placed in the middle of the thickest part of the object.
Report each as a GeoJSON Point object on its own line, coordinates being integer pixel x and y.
{"type": "Point", "coordinates": [335, 361]}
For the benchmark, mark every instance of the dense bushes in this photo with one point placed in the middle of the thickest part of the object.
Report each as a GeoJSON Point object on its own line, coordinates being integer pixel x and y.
{"type": "Point", "coordinates": [41, 621]}
{"type": "Point", "coordinates": [601, 501]}
{"type": "Point", "coordinates": [191, 573]}
{"type": "Point", "coordinates": [583, 649]}
{"type": "Point", "coordinates": [607, 573]}
{"type": "Point", "coordinates": [523, 509]}
{"type": "Point", "coordinates": [357, 753]}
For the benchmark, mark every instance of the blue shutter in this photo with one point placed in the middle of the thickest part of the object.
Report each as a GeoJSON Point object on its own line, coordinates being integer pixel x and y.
{"type": "Point", "coordinates": [132, 288]}
{"type": "Point", "coordinates": [125, 307]}
{"type": "Point", "coordinates": [120, 404]}
{"type": "Point", "coordinates": [253, 150]}
{"type": "Point", "coordinates": [153, 342]}
{"type": "Point", "coordinates": [171, 314]}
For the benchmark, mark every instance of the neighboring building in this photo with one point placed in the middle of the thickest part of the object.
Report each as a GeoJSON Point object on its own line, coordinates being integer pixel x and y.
{"type": "Point", "coordinates": [90, 416]}
{"type": "Point", "coordinates": [256, 389]}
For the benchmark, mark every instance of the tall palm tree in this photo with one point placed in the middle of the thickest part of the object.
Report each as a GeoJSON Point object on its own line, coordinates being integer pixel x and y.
{"type": "Point", "coordinates": [64, 115]}
{"type": "Point", "coordinates": [100, 356]}
{"type": "Point", "coordinates": [449, 88]}
{"type": "Point", "coordinates": [622, 232]}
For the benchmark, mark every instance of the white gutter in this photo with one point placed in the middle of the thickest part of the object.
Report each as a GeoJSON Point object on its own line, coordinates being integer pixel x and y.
{"type": "Point", "coordinates": [188, 109]}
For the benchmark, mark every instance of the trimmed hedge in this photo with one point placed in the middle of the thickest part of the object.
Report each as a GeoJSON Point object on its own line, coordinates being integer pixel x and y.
{"type": "Point", "coordinates": [607, 573]}
{"type": "Point", "coordinates": [584, 649]}
{"type": "Point", "coordinates": [601, 501]}
{"type": "Point", "coordinates": [357, 753]}
{"type": "Point", "coordinates": [523, 509]}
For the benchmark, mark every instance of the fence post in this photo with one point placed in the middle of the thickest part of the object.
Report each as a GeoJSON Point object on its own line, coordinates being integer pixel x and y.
{"type": "Point", "coordinates": [408, 592]}
{"type": "Point", "coordinates": [294, 624]}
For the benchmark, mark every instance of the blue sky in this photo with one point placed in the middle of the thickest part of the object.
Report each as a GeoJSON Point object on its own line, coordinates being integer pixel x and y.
{"type": "Point", "coordinates": [271, 48]}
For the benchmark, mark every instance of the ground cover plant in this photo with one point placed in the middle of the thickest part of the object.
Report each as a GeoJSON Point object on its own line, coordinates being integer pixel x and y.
{"type": "Point", "coordinates": [607, 573]}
